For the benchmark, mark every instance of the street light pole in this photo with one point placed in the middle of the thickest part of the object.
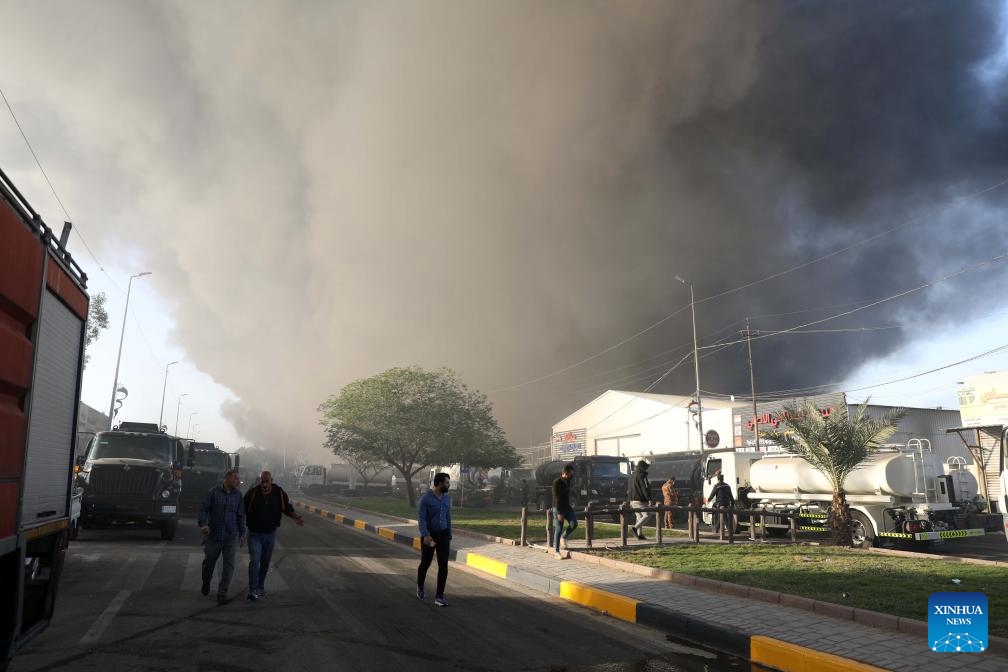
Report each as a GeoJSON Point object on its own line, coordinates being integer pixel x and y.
{"type": "Point", "coordinates": [115, 381]}
{"type": "Point", "coordinates": [195, 430]}
{"type": "Point", "coordinates": [696, 364]}
{"type": "Point", "coordinates": [164, 389]}
{"type": "Point", "coordinates": [189, 427]}
{"type": "Point", "coordinates": [177, 409]}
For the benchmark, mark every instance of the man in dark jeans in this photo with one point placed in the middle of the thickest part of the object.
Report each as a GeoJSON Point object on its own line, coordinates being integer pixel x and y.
{"type": "Point", "coordinates": [265, 503]}
{"type": "Point", "coordinates": [563, 512]}
{"type": "Point", "coordinates": [723, 498]}
{"type": "Point", "coordinates": [434, 517]}
{"type": "Point", "coordinates": [222, 521]}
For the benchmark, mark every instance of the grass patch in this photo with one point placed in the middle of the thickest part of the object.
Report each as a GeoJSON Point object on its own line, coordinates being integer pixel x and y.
{"type": "Point", "coordinates": [891, 585]}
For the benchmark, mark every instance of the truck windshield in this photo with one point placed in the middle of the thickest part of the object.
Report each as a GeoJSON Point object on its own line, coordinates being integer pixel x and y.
{"type": "Point", "coordinates": [210, 460]}
{"type": "Point", "coordinates": [609, 469]}
{"type": "Point", "coordinates": [132, 446]}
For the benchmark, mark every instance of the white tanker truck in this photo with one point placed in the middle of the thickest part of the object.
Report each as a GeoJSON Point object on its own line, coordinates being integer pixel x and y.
{"type": "Point", "coordinates": [901, 493]}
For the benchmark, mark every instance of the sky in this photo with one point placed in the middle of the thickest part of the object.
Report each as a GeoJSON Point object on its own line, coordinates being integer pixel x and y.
{"type": "Point", "coordinates": [325, 190]}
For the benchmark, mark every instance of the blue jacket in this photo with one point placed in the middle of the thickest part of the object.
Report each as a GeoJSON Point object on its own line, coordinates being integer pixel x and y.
{"type": "Point", "coordinates": [434, 514]}
{"type": "Point", "coordinates": [224, 513]}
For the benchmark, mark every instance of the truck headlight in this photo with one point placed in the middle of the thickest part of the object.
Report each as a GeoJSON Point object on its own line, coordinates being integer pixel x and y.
{"type": "Point", "coordinates": [166, 493]}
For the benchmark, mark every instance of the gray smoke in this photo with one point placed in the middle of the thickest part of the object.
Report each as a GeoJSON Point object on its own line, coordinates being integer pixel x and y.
{"type": "Point", "coordinates": [327, 191]}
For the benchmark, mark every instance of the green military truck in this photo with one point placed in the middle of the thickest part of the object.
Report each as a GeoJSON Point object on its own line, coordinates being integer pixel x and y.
{"type": "Point", "coordinates": [131, 477]}
{"type": "Point", "coordinates": [203, 470]}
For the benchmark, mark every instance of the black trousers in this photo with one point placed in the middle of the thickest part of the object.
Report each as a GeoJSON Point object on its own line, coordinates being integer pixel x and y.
{"type": "Point", "coordinates": [442, 549]}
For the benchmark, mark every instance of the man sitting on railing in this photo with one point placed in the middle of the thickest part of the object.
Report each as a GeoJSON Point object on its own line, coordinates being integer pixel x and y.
{"type": "Point", "coordinates": [639, 494]}
{"type": "Point", "coordinates": [723, 499]}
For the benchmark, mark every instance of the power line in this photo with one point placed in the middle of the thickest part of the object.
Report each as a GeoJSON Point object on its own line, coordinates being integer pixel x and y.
{"type": "Point", "coordinates": [754, 283]}
{"type": "Point", "coordinates": [38, 163]}
{"type": "Point", "coordinates": [898, 295]}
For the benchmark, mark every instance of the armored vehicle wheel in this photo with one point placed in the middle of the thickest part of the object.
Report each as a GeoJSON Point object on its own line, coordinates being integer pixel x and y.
{"type": "Point", "coordinates": [168, 530]}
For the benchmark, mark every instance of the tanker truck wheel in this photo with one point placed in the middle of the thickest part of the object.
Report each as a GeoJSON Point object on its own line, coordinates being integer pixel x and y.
{"type": "Point", "coordinates": [862, 532]}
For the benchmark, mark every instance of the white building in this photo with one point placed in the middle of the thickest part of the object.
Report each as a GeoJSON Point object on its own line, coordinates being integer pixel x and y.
{"type": "Point", "coordinates": [636, 424]}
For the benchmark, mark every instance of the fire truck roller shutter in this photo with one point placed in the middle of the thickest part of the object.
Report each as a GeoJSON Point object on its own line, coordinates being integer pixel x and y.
{"type": "Point", "coordinates": [50, 427]}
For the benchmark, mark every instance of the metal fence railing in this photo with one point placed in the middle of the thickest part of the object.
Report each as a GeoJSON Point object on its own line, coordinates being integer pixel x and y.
{"type": "Point", "coordinates": [751, 524]}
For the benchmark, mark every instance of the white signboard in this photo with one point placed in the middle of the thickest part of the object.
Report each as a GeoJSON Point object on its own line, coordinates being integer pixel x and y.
{"type": "Point", "coordinates": [983, 400]}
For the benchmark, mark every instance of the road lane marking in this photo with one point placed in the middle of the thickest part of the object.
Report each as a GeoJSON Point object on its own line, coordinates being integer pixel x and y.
{"type": "Point", "coordinates": [99, 627]}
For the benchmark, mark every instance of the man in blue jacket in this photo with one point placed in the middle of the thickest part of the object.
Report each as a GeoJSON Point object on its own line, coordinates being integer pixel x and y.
{"type": "Point", "coordinates": [434, 517]}
{"type": "Point", "coordinates": [222, 522]}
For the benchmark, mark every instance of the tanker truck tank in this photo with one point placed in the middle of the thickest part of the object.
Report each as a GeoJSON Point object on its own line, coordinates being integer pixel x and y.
{"type": "Point", "coordinates": [885, 473]}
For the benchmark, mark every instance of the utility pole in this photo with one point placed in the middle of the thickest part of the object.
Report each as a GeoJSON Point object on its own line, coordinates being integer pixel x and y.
{"type": "Point", "coordinates": [752, 382]}
{"type": "Point", "coordinates": [696, 364]}
{"type": "Point", "coordinates": [115, 379]}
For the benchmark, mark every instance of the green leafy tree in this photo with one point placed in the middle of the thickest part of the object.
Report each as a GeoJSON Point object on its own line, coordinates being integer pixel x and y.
{"type": "Point", "coordinates": [410, 419]}
{"type": "Point", "coordinates": [836, 444]}
{"type": "Point", "coordinates": [97, 321]}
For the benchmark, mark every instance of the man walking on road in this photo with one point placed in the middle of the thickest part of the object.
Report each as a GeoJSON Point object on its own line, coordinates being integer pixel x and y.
{"type": "Point", "coordinates": [222, 522]}
{"type": "Point", "coordinates": [639, 494]}
{"type": "Point", "coordinates": [563, 512]}
{"type": "Point", "coordinates": [265, 504]}
{"type": "Point", "coordinates": [434, 517]}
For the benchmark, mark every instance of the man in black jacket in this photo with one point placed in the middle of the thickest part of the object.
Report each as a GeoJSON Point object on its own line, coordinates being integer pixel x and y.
{"type": "Point", "coordinates": [639, 494]}
{"type": "Point", "coordinates": [563, 512]}
{"type": "Point", "coordinates": [723, 499]}
{"type": "Point", "coordinates": [265, 503]}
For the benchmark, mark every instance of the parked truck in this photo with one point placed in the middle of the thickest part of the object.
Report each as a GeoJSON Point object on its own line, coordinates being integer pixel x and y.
{"type": "Point", "coordinates": [900, 493]}
{"type": "Point", "coordinates": [598, 480]}
{"type": "Point", "coordinates": [204, 469]}
{"type": "Point", "coordinates": [131, 477]}
{"type": "Point", "coordinates": [469, 486]}
{"type": "Point", "coordinates": [43, 314]}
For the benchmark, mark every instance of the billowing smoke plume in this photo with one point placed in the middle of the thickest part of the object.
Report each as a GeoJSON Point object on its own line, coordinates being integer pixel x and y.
{"type": "Point", "coordinates": [327, 191]}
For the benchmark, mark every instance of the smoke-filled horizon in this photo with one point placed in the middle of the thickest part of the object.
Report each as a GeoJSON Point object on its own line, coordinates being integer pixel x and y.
{"type": "Point", "coordinates": [330, 190]}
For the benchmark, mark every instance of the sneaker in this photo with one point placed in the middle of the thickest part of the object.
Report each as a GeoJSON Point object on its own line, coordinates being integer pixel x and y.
{"type": "Point", "coordinates": [252, 597]}
{"type": "Point", "coordinates": [440, 602]}
{"type": "Point", "coordinates": [222, 598]}
{"type": "Point", "coordinates": [563, 543]}
{"type": "Point", "coordinates": [205, 588]}
{"type": "Point", "coordinates": [640, 535]}
{"type": "Point", "coordinates": [420, 594]}
{"type": "Point", "coordinates": [260, 594]}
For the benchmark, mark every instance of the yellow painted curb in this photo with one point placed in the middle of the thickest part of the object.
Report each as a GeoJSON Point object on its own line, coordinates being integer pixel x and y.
{"type": "Point", "coordinates": [623, 608]}
{"type": "Point", "coordinates": [416, 543]}
{"type": "Point", "coordinates": [793, 658]}
{"type": "Point", "coordinates": [340, 518]}
{"type": "Point", "coordinates": [360, 524]}
{"type": "Point", "coordinates": [488, 565]}
{"type": "Point", "coordinates": [386, 533]}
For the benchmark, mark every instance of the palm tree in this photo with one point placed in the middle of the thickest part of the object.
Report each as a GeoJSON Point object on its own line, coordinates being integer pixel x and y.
{"type": "Point", "coordinates": [836, 444]}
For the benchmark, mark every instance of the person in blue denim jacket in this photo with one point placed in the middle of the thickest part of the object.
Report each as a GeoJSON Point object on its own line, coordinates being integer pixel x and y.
{"type": "Point", "coordinates": [434, 517]}
{"type": "Point", "coordinates": [222, 522]}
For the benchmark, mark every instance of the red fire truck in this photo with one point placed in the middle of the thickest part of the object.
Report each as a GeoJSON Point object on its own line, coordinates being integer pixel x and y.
{"type": "Point", "coordinates": [43, 314]}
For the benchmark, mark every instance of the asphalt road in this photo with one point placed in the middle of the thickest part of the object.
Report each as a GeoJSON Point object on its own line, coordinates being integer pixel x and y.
{"type": "Point", "coordinates": [337, 599]}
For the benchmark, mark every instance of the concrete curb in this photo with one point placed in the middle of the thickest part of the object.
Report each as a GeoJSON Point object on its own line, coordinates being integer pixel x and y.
{"type": "Point", "coordinates": [774, 653]}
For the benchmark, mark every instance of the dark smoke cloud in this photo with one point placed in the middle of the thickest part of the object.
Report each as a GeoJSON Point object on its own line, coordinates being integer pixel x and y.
{"type": "Point", "coordinates": [507, 188]}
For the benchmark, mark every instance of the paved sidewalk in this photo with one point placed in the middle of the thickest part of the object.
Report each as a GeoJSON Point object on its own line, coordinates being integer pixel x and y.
{"type": "Point", "coordinates": [776, 630]}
